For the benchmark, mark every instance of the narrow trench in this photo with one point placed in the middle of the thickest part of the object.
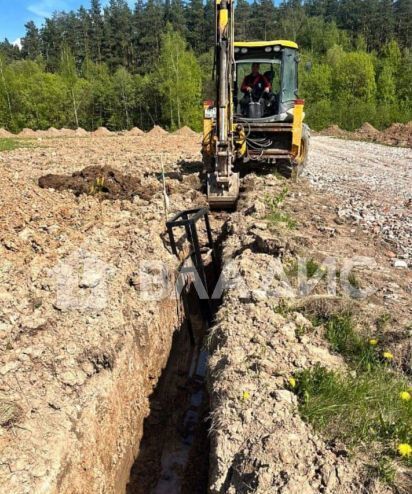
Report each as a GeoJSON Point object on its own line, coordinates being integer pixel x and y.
{"type": "Point", "coordinates": [173, 455]}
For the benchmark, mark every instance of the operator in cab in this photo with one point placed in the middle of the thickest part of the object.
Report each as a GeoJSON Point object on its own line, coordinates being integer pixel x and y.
{"type": "Point", "coordinates": [256, 82]}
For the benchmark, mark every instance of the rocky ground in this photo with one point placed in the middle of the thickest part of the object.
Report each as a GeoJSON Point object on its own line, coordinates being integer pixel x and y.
{"type": "Point", "coordinates": [81, 352]}
{"type": "Point", "coordinates": [374, 183]}
{"type": "Point", "coordinates": [259, 442]}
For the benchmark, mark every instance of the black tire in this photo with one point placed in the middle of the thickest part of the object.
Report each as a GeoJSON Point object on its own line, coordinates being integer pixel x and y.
{"type": "Point", "coordinates": [290, 169]}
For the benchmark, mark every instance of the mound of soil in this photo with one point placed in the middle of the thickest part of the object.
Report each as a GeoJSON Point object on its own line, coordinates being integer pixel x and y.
{"type": "Point", "coordinates": [333, 131]}
{"type": "Point", "coordinates": [81, 132]}
{"type": "Point", "coordinates": [157, 131]}
{"type": "Point", "coordinates": [51, 132]}
{"type": "Point", "coordinates": [101, 131]}
{"type": "Point", "coordinates": [103, 181]}
{"type": "Point", "coordinates": [67, 132]}
{"type": "Point", "coordinates": [5, 133]}
{"type": "Point", "coordinates": [185, 132]}
{"type": "Point", "coordinates": [398, 134]}
{"type": "Point", "coordinates": [28, 133]}
{"type": "Point", "coordinates": [368, 131]}
{"type": "Point", "coordinates": [135, 132]}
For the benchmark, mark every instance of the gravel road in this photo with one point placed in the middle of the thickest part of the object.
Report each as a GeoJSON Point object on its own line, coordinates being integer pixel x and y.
{"type": "Point", "coordinates": [375, 184]}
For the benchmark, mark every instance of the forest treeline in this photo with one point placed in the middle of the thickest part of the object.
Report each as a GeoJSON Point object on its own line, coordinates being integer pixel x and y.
{"type": "Point", "coordinates": [120, 67]}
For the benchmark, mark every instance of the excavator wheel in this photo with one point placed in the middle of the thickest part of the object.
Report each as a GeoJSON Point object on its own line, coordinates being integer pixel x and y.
{"type": "Point", "coordinates": [294, 169]}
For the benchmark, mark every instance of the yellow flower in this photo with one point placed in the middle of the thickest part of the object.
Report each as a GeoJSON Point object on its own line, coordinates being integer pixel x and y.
{"type": "Point", "coordinates": [405, 396]}
{"type": "Point", "coordinates": [245, 395]}
{"type": "Point", "coordinates": [373, 342]}
{"type": "Point", "coordinates": [292, 382]}
{"type": "Point", "coordinates": [405, 449]}
{"type": "Point", "coordinates": [388, 355]}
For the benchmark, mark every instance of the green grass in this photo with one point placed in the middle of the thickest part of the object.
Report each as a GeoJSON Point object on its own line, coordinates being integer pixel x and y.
{"type": "Point", "coordinates": [10, 144]}
{"type": "Point", "coordinates": [280, 217]}
{"type": "Point", "coordinates": [311, 266]}
{"type": "Point", "coordinates": [383, 320]}
{"type": "Point", "coordinates": [359, 409]}
{"type": "Point", "coordinates": [362, 407]}
{"type": "Point", "coordinates": [276, 216]}
{"type": "Point", "coordinates": [344, 339]}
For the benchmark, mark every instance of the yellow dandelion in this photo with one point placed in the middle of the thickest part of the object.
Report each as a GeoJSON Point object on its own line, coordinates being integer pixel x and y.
{"type": "Point", "coordinates": [405, 450]}
{"type": "Point", "coordinates": [388, 355]}
{"type": "Point", "coordinates": [373, 342]}
{"type": "Point", "coordinates": [245, 395]}
{"type": "Point", "coordinates": [292, 382]}
{"type": "Point", "coordinates": [405, 396]}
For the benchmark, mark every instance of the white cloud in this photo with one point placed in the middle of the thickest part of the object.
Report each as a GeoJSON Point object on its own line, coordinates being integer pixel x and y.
{"type": "Point", "coordinates": [17, 42]}
{"type": "Point", "coordinates": [45, 8]}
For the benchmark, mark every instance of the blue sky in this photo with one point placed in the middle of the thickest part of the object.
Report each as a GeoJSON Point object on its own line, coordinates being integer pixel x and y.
{"type": "Point", "coordinates": [15, 13]}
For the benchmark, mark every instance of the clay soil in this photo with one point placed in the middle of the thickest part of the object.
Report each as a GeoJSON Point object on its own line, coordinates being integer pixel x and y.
{"type": "Point", "coordinates": [81, 351]}
{"type": "Point", "coordinates": [105, 182]}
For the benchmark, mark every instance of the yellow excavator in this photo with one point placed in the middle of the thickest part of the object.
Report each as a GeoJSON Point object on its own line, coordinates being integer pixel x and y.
{"type": "Point", "coordinates": [257, 116]}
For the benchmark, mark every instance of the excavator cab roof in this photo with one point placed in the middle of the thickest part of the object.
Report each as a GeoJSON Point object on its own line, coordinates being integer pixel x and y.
{"type": "Point", "coordinates": [263, 44]}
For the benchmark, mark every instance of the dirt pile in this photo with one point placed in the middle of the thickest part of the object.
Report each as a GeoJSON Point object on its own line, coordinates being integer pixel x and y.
{"type": "Point", "coordinates": [81, 132]}
{"type": "Point", "coordinates": [185, 132]}
{"type": "Point", "coordinates": [5, 133]}
{"type": "Point", "coordinates": [157, 131]}
{"type": "Point", "coordinates": [334, 131]}
{"type": "Point", "coordinates": [368, 131]}
{"type": "Point", "coordinates": [104, 182]}
{"type": "Point", "coordinates": [101, 131]}
{"type": "Point", "coordinates": [398, 135]}
{"type": "Point", "coordinates": [135, 131]}
{"type": "Point", "coordinates": [29, 133]}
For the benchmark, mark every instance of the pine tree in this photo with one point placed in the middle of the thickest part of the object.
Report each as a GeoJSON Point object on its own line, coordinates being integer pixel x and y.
{"type": "Point", "coordinates": [31, 43]}
{"type": "Point", "coordinates": [51, 44]}
{"type": "Point", "coordinates": [403, 22]}
{"type": "Point", "coordinates": [175, 15]}
{"type": "Point", "coordinates": [118, 34]}
{"type": "Point", "coordinates": [96, 31]}
{"type": "Point", "coordinates": [151, 28]}
{"type": "Point", "coordinates": [242, 20]}
{"type": "Point", "coordinates": [196, 25]}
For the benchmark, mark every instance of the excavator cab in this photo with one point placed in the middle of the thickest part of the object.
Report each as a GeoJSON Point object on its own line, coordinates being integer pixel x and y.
{"type": "Point", "coordinates": [259, 126]}
{"type": "Point", "coordinates": [278, 66]}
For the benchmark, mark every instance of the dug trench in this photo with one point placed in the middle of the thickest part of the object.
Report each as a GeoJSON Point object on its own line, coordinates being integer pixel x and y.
{"type": "Point", "coordinates": [78, 384]}
{"type": "Point", "coordinates": [174, 451]}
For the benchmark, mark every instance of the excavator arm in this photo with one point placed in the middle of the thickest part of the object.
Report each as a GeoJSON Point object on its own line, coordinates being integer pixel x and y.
{"type": "Point", "coordinates": [222, 182]}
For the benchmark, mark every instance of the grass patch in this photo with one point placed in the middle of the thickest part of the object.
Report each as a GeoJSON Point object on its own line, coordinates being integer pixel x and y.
{"type": "Point", "coordinates": [361, 410]}
{"type": "Point", "coordinates": [280, 217]}
{"type": "Point", "coordinates": [344, 339]}
{"type": "Point", "coordinates": [10, 144]}
{"type": "Point", "coordinates": [383, 320]}
{"type": "Point", "coordinates": [282, 308]}
{"type": "Point", "coordinates": [311, 267]}
{"type": "Point", "coordinates": [276, 216]}
{"type": "Point", "coordinates": [368, 408]}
